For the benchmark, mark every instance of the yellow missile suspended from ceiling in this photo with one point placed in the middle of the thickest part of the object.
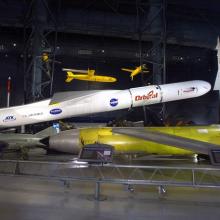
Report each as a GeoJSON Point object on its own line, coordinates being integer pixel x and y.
{"type": "Point", "coordinates": [86, 75]}
{"type": "Point", "coordinates": [134, 72]}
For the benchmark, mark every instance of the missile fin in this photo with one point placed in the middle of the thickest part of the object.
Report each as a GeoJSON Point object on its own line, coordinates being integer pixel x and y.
{"type": "Point", "coordinates": [91, 72]}
{"type": "Point", "coordinates": [127, 70]}
{"type": "Point", "coordinates": [70, 76]}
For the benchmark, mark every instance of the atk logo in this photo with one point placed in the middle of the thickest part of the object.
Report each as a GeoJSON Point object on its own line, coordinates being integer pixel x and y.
{"type": "Point", "coordinates": [148, 96]}
{"type": "Point", "coordinates": [55, 111]}
{"type": "Point", "coordinates": [113, 102]}
{"type": "Point", "coordinates": [9, 118]}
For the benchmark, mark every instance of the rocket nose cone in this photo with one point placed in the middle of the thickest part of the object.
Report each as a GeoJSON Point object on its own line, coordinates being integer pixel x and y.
{"type": "Point", "coordinates": [204, 87]}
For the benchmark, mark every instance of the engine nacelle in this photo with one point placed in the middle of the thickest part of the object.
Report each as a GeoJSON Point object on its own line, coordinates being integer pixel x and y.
{"type": "Point", "coordinates": [67, 142]}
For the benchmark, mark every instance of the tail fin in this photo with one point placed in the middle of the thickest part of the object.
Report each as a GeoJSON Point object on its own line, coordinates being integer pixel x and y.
{"type": "Point", "coordinates": [69, 76]}
{"type": "Point", "coordinates": [127, 70]}
{"type": "Point", "coordinates": [46, 132]}
{"type": "Point", "coordinates": [91, 72]}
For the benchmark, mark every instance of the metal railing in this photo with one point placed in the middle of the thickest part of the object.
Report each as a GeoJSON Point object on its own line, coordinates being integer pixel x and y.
{"type": "Point", "coordinates": [129, 175]}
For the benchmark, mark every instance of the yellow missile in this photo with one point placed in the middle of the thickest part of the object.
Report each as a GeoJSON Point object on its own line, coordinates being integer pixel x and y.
{"type": "Point", "coordinates": [136, 71]}
{"type": "Point", "coordinates": [87, 75]}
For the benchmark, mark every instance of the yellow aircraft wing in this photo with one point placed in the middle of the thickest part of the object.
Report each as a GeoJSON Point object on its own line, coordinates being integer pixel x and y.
{"type": "Point", "coordinates": [127, 70]}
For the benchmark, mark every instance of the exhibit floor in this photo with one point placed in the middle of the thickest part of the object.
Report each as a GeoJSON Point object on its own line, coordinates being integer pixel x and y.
{"type": "Point", "coordinates": [27, 198]}
{"type": "Point", "coordinates": [30, 197]}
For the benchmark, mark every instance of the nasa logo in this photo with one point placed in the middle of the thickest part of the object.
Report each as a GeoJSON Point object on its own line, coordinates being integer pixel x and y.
{"type": "Point", "coordinates": [113, 102]}
{"type": "Point", "coordinates": [9, 118]}
{"type": "Point", "coordinates": [55, 111]}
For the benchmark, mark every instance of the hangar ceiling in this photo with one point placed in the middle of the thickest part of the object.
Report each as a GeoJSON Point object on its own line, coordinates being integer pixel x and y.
{"type": "Point", "coordinates": [192, 23]}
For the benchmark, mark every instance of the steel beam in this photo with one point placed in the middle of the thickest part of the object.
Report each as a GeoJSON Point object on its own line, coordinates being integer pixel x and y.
{"type": "Point", "coordinates": [39, 55]}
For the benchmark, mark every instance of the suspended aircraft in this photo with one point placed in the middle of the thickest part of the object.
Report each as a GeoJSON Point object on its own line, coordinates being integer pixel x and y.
{"type": "Point", "coordinates": [136, 71]}
{"type": "Point", "coordinates": [78, 103]}
{"type": "Point", "coordinates": [86, 75]}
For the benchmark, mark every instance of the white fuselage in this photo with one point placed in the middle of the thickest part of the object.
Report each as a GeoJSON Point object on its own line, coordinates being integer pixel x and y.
{"type": "Point", "coordinates": [101, 101]}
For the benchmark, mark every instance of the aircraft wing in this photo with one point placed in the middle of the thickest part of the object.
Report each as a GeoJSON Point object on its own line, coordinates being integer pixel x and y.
{"type": "Point", "coordinates": [168, 139]}
{"type": "Point", "coordinates": [66, 96]}
{"type": "Point", "coordinates": [127, 70]}
{"type": "Point", "coordinates": [75, 70]}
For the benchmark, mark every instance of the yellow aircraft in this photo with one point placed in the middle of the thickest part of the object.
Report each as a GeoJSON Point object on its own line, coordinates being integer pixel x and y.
{"type": "Point", "coordinates": [87, 75]}
{"type": "Point", "coordinates": [136, 71]}
{"type": "Point", "coordinates": [188, 140]}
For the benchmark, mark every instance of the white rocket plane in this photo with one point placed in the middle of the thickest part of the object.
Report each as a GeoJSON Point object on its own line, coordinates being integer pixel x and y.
{"type": "Point", "coordinates": [78, 103]}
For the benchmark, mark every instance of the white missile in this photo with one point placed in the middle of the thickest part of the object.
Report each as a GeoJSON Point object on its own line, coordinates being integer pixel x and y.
{"type": "Point", "coordinates": [78, 103]}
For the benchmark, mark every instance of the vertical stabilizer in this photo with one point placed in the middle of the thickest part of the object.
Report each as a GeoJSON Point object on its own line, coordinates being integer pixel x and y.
{"type": "Point", "coordinates": [217, 80]}
{"type": "Point", "coordinates": [91, 72]}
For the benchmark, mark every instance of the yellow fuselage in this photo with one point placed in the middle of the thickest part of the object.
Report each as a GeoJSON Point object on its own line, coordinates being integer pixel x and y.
{"type": "Point", "coordinates": [129, 144]}
{"type": "Point", "coordinates": [136, 71]}
{"type": "Point", "coordinates": [95, 78]}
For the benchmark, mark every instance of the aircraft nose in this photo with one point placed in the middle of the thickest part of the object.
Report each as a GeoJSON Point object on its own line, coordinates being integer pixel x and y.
{"type": "Point", "coordinates": [204, 87]}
